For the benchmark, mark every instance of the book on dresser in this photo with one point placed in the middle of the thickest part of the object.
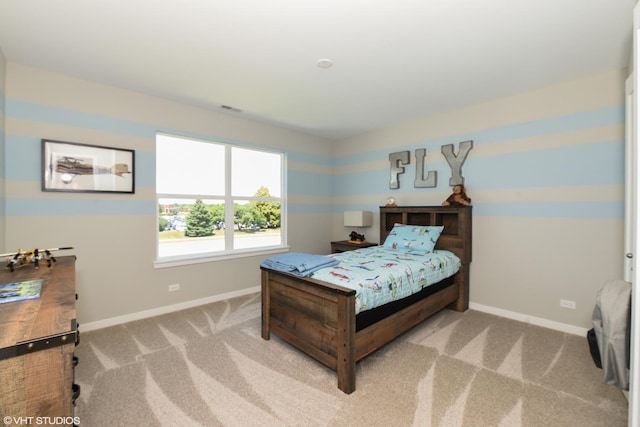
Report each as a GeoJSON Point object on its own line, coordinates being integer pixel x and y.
{"type": "Point", "coordinates": [18, 291]}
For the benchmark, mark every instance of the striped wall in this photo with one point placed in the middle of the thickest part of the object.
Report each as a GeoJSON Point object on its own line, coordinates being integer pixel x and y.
{"type": "Point", "coordinates": [115, 234]}
{"type": "Point", "coordinates": [545, 175]}
{"type": "Point", "coordinates": [546, 178]}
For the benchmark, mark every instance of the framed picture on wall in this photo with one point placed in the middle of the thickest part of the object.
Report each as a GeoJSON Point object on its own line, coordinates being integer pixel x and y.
{"type": "Point", "coordinates": [75, 167]}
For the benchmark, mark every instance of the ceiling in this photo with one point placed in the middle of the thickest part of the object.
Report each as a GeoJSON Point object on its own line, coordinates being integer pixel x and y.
{"type": "Point", "coordinates": [392, 60]}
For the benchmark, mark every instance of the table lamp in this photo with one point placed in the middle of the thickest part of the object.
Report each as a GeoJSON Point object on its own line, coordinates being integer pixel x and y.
{"type": "Point", "coordinates": [357, 219]}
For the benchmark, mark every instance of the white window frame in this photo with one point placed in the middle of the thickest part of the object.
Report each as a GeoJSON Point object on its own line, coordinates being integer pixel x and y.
{"type": "Point", "coordinates": [228, 199]}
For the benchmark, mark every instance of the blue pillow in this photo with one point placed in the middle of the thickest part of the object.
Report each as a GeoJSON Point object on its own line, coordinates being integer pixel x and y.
{"type": "Point", "coordinates": [413, 238]}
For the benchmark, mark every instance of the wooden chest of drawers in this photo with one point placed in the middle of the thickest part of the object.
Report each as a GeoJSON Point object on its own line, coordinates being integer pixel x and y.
{"type": "Point", "coordinates": [36, 345]}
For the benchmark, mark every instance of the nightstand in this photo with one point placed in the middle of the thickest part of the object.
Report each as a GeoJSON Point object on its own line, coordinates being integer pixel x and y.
{"type": "Point", "coordinates": [345, 245]}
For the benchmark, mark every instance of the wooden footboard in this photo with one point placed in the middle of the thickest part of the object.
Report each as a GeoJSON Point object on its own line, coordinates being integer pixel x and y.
{"type": "Point", "coordinates": [315, 317]}
{"type": "Point", "coordinates": [319, 318]}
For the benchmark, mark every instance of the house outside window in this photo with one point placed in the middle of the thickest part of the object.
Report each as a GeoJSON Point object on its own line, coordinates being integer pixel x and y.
{"type": "Point", "coordinates": [217, 199]}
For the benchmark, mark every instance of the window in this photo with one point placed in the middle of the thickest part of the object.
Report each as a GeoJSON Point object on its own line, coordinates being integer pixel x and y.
{"type": "Point", "coordinates": [216, 198]}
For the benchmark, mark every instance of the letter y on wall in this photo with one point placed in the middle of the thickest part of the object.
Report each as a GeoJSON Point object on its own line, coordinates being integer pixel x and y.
{"type": "Point", "coordinates": [456, 162]}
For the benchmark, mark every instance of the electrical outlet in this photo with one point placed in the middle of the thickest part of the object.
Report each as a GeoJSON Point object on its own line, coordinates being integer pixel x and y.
{"type": "Point", "coordinates": [568, 304]}
{"type": "Point", "coordinates": [174, 287]}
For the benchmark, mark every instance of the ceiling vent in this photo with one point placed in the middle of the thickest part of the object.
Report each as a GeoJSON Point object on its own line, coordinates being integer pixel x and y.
{"type": "Point", "coordinates": [235, 110]}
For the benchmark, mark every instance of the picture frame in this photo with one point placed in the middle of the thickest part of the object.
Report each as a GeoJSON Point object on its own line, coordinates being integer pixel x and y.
{"type": "Point", "coordinates": [77, 167]}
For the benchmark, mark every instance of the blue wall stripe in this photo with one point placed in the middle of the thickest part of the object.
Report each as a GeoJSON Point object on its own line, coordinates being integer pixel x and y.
{"type": "Point", "coordinates": [145, 169]}
{"type": "Point", "coordinates": [313, 159]}
{"type": "Point", "coordinates": [309, 183]}
{"type": "Point", "coordinates": [26, 161]}
{"type": "Point", "coordinates": [3, 155]}
{"type": "Point", "coordinates": [371, 182]}
{"type": "Point", "coordinates": [591, 164]}
{"type": "Point", "coordinates": [309, 208]}
{"type": "Point", "coordinates": [3, 100]}
{"type": "Point", "coordinates": [71, 207]}
{"type": "Point", "coordinates": [611, 209]}
{"type": "Point", "coordinates": [26, 158]}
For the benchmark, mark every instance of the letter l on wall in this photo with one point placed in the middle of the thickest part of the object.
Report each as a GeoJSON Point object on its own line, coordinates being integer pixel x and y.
{"type": "Point", "coordinates": [432, 176]}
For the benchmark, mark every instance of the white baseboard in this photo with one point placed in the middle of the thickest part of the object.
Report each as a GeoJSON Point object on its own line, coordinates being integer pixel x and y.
{"type": "Point", "coordinates": [105, 323]}
{"type": "Point", "coordinates": [99, 324]}
{"type": "Point", "coordinates": [550, 324]}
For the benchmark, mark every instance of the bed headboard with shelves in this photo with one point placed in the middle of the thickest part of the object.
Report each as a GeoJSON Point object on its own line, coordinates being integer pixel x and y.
{"type": "Point", "coordinates": [456, 236]}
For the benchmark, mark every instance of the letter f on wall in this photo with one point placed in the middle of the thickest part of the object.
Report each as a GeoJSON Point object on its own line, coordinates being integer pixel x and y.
{"type": "Point", "coordinates": [396, 159]}
{"type": "Point", "coordinates": [456, 162]}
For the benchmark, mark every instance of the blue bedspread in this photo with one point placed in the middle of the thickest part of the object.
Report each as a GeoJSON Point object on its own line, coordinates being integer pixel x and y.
{"type": "Point", "coordinates": [299, 264]}
{"type": "Point", "coordinates": [380, 275]}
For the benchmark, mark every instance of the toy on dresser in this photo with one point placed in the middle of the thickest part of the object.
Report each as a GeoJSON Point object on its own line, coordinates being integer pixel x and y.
{"type": "Point", "coordinates": [22, 258]}
{"type": "Point", "coordinates": [354, 237]}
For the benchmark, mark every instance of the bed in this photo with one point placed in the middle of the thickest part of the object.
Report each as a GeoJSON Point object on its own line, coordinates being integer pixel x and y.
{"type": "Point", "coordinates": [319, 318]}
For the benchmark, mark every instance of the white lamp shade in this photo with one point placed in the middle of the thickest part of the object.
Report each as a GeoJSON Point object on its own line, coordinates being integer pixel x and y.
{"type": "Point", "coordinates": [358, 218]}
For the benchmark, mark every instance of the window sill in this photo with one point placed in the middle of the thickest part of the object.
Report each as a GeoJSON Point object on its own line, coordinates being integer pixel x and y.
{"type": "Point", "coordinates": [210, 257]}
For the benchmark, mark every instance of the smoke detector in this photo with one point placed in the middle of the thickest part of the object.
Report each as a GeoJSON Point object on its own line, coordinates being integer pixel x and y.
{"type": "Point", "coordinates": [325, 63]}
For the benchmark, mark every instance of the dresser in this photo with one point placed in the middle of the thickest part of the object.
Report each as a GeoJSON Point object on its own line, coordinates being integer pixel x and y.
{"type": "Point", "coordinates": [37, 341]}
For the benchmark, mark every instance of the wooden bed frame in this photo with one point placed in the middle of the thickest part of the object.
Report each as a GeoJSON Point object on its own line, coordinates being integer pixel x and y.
{"type": "Point", "coordinates": [319, 318]}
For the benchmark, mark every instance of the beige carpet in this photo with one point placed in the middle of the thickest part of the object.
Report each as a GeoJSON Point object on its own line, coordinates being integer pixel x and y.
{"type": "Point", "coordinates": [208, 366]}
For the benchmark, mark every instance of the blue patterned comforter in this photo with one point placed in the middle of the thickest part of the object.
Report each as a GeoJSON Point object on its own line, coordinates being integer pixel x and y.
{"type": "Point", "coordinates": [380, 275]}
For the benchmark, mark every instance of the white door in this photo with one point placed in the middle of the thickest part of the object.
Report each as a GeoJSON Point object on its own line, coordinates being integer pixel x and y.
{"type": "Point", "coordinates": [630, 181]}
{"type": "Point", "coordinates": [632, 209]}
